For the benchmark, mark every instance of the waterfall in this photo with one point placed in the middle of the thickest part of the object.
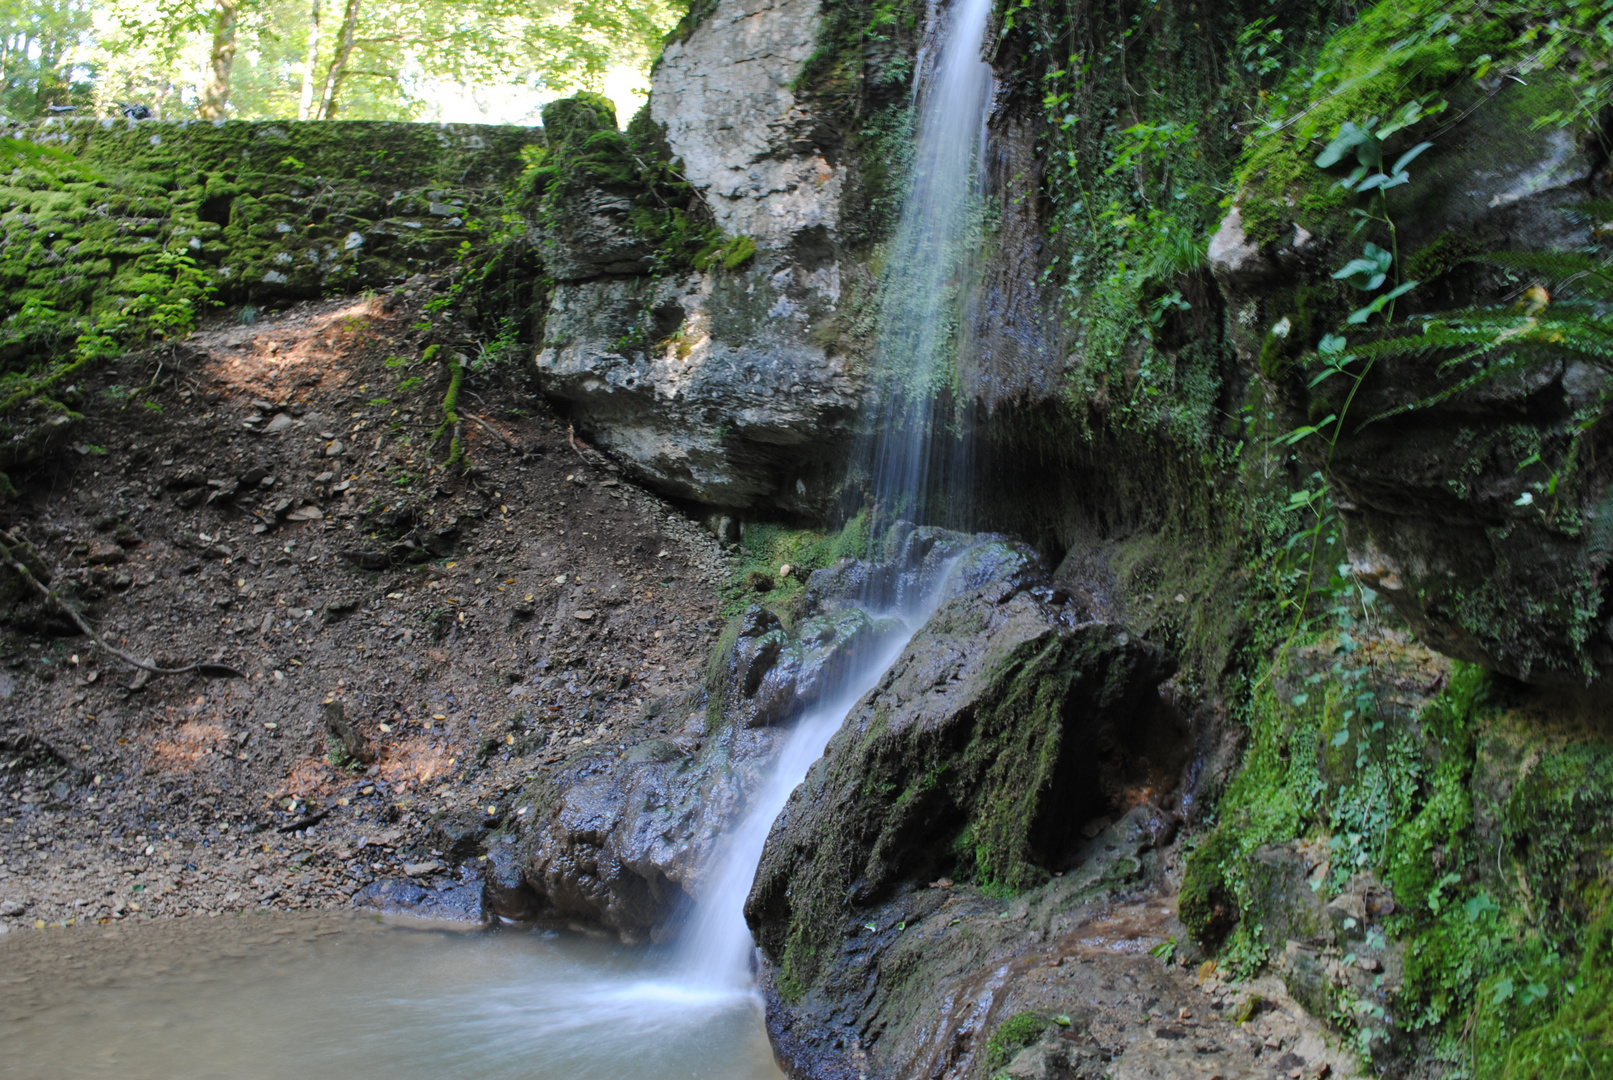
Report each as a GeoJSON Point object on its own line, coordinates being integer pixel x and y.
{"type": "Point", "coordinates": [928, 270]}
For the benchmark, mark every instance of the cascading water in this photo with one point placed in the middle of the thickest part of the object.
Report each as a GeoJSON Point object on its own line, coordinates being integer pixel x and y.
{"type": "Point", "coordinates": [929, 267]}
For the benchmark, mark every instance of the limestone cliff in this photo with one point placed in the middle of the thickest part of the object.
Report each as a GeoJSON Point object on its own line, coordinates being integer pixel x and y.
{"type": "Point", "coordinates": [721, 386]}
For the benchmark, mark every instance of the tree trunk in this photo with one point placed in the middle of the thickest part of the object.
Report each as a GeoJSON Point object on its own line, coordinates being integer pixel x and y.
{"type": "Point", "coordinates": [216, 93]}
{"type": "Point", "coordinates": [338, 64]}
{"type": "Point", "coordinates": [305, 108]}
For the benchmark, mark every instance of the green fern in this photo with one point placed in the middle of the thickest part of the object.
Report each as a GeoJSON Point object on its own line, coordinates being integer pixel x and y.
{"type": "Point", "coordinates": [1574, 318]}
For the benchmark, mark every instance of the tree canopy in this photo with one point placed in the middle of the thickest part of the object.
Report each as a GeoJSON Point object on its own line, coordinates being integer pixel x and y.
{"type": "Point", "coordinates": [313, 59]}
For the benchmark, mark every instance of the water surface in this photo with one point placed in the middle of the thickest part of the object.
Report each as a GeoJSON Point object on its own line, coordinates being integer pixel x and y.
{"type": "Point", "coordinates": [275, 998]}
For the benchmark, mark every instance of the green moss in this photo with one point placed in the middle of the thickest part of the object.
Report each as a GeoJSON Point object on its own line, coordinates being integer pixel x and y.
{"type": "Point", "coordinates": [765, 548]}
{"type": "Point", "coordinates": [698, 12]}
{"type": "Point", "coordinates": [1013, 1035]}
{"type": "Point", "coordinates": [1395, 53]}
{"type": "Point", "coordinates": [1204, 903]}
{"type": "Point", "coordinates": [1576, 1041]}
{"type": "Point", "coordinates": [586, 153]}
{"type": "Point", "coordinates": [1440, 256]}
{"type": "Point", "coordinates": [738, 252]}
{"type": "Point", "coordinates": [1000, 781]}
{"type": "Point", "coordinates": [116, 234]}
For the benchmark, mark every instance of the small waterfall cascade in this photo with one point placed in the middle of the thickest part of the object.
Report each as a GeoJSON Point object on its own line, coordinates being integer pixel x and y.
{"type": "Point", "coordinates": [928, 271]}
{"type": "Point", "coordinates": [929, 267]}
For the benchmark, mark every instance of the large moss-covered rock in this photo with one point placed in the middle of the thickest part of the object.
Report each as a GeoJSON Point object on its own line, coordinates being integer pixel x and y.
{"type": "Point", "coordinates": [1006, 726]}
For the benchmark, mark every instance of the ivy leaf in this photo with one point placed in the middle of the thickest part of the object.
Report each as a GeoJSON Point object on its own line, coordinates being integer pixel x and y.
{"type": "Point", "coordinates": [1341, 738]}
{"type": "Point", "coordinates": [1503, 991]}
{"type": "Point", "coordinates": [1407, 115]}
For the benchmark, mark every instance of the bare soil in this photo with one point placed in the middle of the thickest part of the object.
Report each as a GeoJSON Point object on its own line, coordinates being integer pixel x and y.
{"type": "Point", "coordinates": [280, 506]}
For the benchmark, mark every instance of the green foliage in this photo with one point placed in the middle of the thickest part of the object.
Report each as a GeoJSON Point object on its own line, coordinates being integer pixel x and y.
{"type": "Point", "coordinates": [764, 548]}
{"type": "Point", "coordinates": [860, 75]}
{"type": "Point", "coordinates": [339, 756]}
{"type": "Point", "coordinates": [1475, 346]}
{"type": "Point", "coordinates": [1574, 1040]}
{"type": "Point", "coordinates": [1395, 67]}
{"type": "Point", "coordinates": [586, 153]}
{"type": "Point", "coordinates": [1013, 1035]}
{"type": "Point", "coordinates": [1141, 110]}
{"type": "Point", "coordinates": [1397, 59]}
{"type": "Point", "coordinates": [401, 52]}
{"type": "Point", "coordinates": [42, 65]}
{"type": "Point", "coordinates": [861, 60]}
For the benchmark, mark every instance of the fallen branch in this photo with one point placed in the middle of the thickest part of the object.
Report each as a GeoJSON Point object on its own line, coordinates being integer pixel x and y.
{"type": "Point", "coordinates": [505, 439]}
{"type": "Point", "coordinates": [571, 437]}
{"type": "Point", "coordinates": [7, 558]}
{"type": "Point", "coordinates": [303, 822]}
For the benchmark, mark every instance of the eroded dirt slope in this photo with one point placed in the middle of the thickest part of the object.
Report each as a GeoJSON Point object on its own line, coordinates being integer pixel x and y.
{"type": "Point", "coordinates": [269, 497]}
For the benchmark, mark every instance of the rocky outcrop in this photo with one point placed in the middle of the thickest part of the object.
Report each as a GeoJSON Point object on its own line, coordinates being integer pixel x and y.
{"type": "Point", "coordinates": [991, 759]}
{"type": "Point", "coordinates": [710, 386]}
{"type": "Point", "coordinates": [746, 142]}
{"type": "Point", "coordinates": [728, 386]}
{"type": "Point", "coordinates": [1480, 513]}
{"type": "Point", "coordinates": [623, 840]}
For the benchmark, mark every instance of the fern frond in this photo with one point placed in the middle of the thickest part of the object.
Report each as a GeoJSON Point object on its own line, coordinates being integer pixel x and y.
{"type": "Point", "coordinates": [1505, 365]}
{"type": "Point", "coordinates": [1559, 267]}
{"type": "Point", "coordinates": [1593, 209]}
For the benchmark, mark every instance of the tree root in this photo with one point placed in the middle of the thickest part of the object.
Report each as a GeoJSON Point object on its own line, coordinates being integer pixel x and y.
{"type": "Point", "coordinates": [8, 558]}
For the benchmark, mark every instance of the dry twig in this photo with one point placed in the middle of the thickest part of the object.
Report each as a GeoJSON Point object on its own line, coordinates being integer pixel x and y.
{"type": "Point", "coordinates": [8, 541]}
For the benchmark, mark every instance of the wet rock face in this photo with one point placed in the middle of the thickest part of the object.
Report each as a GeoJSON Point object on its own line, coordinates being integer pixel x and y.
{"type": "Point", "coordinates": [943, 980]}
{"type": "Point", "coordinates": [1006, 725]}
{"type": "Point", "coordinates": [1480, 515]}
{"type": "Point", "coordinates": [621, 840]}
{"type": "Point", "coordinates": [1015, 746]}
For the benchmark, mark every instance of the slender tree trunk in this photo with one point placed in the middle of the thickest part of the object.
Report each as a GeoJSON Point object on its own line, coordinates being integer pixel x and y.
{"type": "Point", "coordinates": [216, 93]}
{"type": "Point", "coordinates": [305, 109]}
{"type": "Point", "coordinates": [338, 64]}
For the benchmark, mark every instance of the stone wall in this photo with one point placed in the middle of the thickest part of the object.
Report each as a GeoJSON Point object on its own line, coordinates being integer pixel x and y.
{"type": "Point", "coordinates": [275, 211]}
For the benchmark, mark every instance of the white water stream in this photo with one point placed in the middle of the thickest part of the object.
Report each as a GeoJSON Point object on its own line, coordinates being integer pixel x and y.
{"type": "Point", "coordinates": [929, 261]}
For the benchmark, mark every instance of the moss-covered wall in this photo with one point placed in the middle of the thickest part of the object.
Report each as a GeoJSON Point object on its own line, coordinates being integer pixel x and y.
{"type": "Point", "coordinates": [272, 211]}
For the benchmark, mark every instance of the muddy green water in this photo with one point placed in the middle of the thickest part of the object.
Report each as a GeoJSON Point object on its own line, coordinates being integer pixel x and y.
{"type": "Point", "coordinates": [276, 998]}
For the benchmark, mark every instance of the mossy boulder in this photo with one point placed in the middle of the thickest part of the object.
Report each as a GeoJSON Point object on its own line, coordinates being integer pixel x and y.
{"type": "Point", "coordinates": [1004, 728]}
